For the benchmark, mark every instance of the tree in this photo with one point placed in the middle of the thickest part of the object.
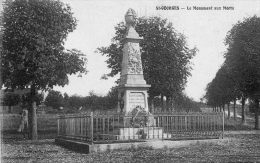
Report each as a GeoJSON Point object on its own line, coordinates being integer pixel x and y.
{"type": "Point", "coordinates": [221, 90]}
{"type": "Point", "coordinates": [75, 102]}
{"type": "Point", "coordinates": [11, 99]}
{"type": "Point", "coordinates": [95, 102]}
{"type": "Point", "coordinates": [54, 99]}
{"type": "Point", "coordinates": [92, 102]}
{"type": "Point", "coordinates": [187, 103]}
{"type": "Point", "coordinates": [165, 56]}
{"type": "Point", "coordinates": [111, 98]}
{"type": "Point", "coordinates": [243, 58]}
{"type": "Point", "coordinates": [26, 99]}
{"type": "Point", "coordinates": [33, 54]}
{"type": "Point", "coordinates": [227, 88]}
{"type": "Point", "coordinates": [65, 99]}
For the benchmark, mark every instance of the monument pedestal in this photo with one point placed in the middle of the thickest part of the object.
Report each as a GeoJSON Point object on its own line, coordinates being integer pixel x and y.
{"type": "Point", "coordinates": [132, 96]}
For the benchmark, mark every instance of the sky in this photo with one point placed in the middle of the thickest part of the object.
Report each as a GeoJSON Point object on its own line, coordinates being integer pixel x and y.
{"type": "Point", "coordinates": [204, 29]}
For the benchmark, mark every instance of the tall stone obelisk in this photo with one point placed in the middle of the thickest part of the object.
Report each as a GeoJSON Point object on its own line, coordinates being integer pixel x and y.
{"type": "Point", "coordinates": [133, 89]}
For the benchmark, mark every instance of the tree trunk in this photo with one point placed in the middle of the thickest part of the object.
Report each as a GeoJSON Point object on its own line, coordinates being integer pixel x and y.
{"type": "Point", "coordinates": [34, 122]}
{"type": "Point", "coordinates": [243, 110]}
{"type": "Point", "coordinates": [257, 114]}
{"type": "Point", "coordinates": [228, 110]}
{"type": "Point", "coordinates": [33, 116]}
{"type": "Point", "coordinates": [234, 108]}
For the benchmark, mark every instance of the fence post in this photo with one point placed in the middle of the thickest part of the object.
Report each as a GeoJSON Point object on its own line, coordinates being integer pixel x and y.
{"type": "Point", "coordinates": [58, 126]}
{"type": "Point", "coordinates": [162, 126]}
{"type": "Point", "coordinates": [185, 122]}
{"type": "Point", "coordinates": [91, 133]}
{"type": "Point", "coordinates": [223, 124]}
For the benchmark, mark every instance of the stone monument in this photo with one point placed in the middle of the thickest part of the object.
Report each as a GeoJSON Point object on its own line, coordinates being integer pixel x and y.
{"type": "Point", "coordinates": [133, 89]}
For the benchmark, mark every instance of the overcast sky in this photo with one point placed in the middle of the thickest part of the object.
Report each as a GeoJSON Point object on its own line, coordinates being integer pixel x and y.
{"type": "Point", "coordinates": [204, 29]}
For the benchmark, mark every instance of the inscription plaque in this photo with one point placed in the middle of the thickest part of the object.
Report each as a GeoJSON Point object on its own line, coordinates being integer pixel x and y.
{"type": "Point", "coordinates": [136, 99]}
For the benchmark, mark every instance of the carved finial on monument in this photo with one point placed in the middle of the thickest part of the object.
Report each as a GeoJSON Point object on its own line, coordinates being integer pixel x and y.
{"type": "Point", "coordinates": [130, 18]}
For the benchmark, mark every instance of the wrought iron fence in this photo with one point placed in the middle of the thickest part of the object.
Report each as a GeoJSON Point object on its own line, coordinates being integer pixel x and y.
{"type": "Point", "coordinates": [120, 128]}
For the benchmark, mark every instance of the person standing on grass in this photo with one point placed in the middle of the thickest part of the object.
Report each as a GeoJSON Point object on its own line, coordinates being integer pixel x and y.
{"type": "Point", "coordinates": [23, 128]}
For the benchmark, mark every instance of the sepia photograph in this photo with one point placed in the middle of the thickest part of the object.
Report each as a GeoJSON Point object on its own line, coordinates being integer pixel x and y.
{"type": "Point", "coordinates": [129, 81]}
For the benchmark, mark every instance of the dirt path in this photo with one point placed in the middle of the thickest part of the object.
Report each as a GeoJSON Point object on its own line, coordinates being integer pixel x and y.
{"type": "Point", "coordinates": [243, 146]}
{"type": "Point", "coordinates": [253, 132]}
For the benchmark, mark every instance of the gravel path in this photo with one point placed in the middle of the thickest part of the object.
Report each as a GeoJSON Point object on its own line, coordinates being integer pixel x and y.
{"type": "Point", "coordinates": [244, 146]}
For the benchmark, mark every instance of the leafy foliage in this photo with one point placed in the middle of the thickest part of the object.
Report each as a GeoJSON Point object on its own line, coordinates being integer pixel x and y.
{"type": "Point", "coordinates": [243, 58]}
{"type": "Point", "coordinates": [94, 102]}
{"type": "Point", "coordinates": [54, 99]}
{"type": "Point", "coordinates": [165, 55]}
{"type": "Point", "coordinates": [27, 98]}
{"type": "Point", "coordinates": [11, 99]}
{"type": "Point", "coordinates": [34, 33]}
{"type": "Point", "coordinates": [222, 89]}
{"type": "Point", "coordinates": [187, 104]}
{"type": "Point", "coordinates": [76, 103]}
{"type": "Point", "coordinates": [239, 77]}
{"type": "Point", "coordinates": [181, 103]}
{"type": "Point", "coordinates": [240, 74]}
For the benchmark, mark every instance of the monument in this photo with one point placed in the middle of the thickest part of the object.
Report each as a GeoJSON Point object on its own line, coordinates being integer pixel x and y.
{"type": "Point", "coordinates": [132, 92]}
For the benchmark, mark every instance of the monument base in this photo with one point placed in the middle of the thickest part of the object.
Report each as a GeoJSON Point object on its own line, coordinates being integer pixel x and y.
{"type": "Point", "coordinates": [132, 95]}
{"type": "Point", "coordinates": [140, 133]}
{"type": "Point", "coordinates": [154, 144]}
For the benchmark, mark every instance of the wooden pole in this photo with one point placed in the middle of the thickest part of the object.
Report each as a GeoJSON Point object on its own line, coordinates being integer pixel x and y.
{"type": "Point", "coordinates": [91, 130]}
{"type": "Point", "coordinates": [223, 124]}
{"type": "Point", "coordinates": [34, 122]}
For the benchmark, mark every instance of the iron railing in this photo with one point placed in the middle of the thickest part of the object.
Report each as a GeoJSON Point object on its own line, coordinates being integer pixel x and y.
{"type": "Point", "coordinates": [111, 128]}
